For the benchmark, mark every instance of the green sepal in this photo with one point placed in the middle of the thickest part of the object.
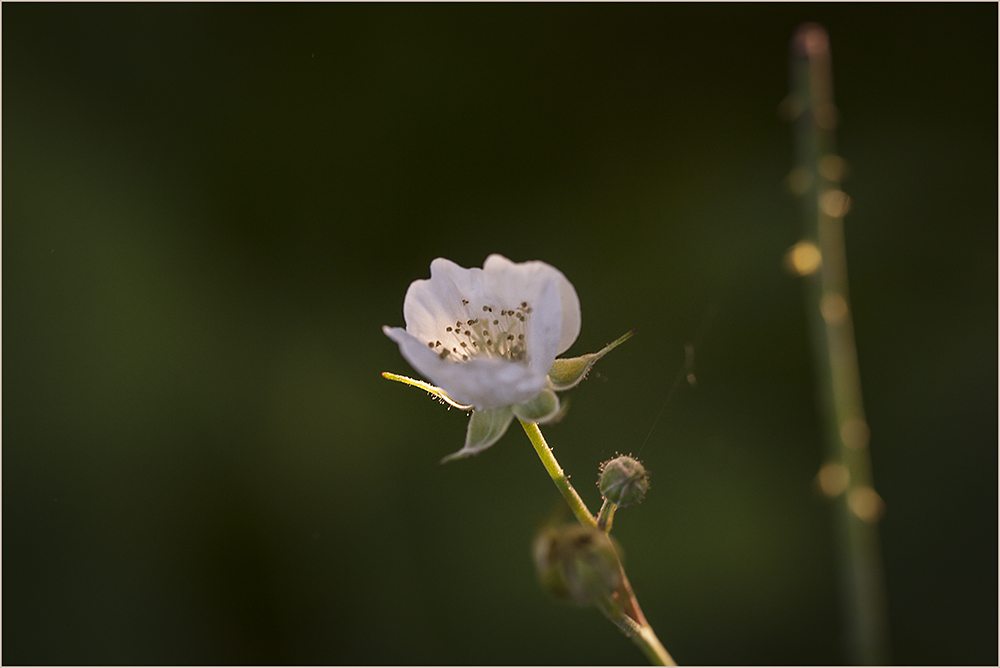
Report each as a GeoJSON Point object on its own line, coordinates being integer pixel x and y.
{"type": "Point", "coordinates": [540, 409]}
{"type": "Point", "coordinates": [568, 372]}
{"type": "Point", "coordinates": [486, 427]}
{"type": "Point", "coordinates": [427, 387]}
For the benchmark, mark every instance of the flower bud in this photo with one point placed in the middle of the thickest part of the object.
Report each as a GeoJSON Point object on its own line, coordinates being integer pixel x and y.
{"type": "Point", "coordinates": [623, 481]}
{"type": "Point", "coordinates": [578, 563]}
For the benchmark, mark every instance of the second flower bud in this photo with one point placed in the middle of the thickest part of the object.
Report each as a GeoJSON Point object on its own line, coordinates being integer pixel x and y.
{"type": "Point", "coordinates": [623, 481]}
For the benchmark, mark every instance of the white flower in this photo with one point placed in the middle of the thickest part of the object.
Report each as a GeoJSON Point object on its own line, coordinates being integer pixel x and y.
{"type": "Point", "coordinates": [489, 339]}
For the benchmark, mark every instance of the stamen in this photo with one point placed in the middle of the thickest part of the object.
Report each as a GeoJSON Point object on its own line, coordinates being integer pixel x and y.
{"type": "Point", "coordinates": [494, 337]}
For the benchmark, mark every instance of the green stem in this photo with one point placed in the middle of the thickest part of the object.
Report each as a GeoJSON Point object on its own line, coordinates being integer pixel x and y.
{"type": "Point", "coordinates": [577, 505]}
{"type": "Point", "coordinates": [847, 474]}
{"type": "Point", "coordinates": [622, 608]}
{"type": "Point", "coordinates": [640, 634]}
{"type": "Point", "coordinates": [606, 516]}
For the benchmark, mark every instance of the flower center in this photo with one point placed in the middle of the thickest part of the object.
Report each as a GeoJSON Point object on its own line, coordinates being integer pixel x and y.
{"type": "Point", "coordinates": [485, 331]}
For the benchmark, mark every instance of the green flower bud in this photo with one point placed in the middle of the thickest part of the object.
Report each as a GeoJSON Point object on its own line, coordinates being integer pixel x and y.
{"type": "Point", "coordinates": [577, 563]}
{"type": "Point", "coordinates": [623, 481]}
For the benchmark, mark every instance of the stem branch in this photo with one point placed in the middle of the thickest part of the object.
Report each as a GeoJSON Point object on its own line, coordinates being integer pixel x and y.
{"type": "Point", "coordinates": [622, 608]}
{"type": "Point", "coordinates": [606, 516]}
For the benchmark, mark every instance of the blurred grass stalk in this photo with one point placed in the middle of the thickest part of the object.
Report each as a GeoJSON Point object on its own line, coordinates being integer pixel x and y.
{"type": "Point", "coordinates": [820, 258]}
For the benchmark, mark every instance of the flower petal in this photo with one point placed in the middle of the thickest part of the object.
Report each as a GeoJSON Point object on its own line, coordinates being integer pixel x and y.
{"type": "Point", "coordinates": [485, 428]}
{"type": "Point", "coordinates": [429, 305]}
{"type": "Point", "coordinates": [526, 277]}
{"type": "Point", "coordinates": [483, 383]}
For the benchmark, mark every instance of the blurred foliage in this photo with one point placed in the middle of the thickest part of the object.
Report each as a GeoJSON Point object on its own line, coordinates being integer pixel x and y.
{"type": "Point", "coordinates": [210, 209]}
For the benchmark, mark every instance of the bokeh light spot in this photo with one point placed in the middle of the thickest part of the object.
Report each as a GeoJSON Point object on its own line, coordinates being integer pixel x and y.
{"type": "Point", "coordinates": [854, 433]}
{"type": "Point", "coordinates": [803, 258]}
{"type": "Point", "coordinates": [833, 479]}
{"type": "Point", "coordinates": [832, 167]}
{"type": "Point", "coordinates": [866, 504]}
{"type": "Point", "coordinates": [833, 306]}
{"type": "Point", "coordinates": [835, 203]}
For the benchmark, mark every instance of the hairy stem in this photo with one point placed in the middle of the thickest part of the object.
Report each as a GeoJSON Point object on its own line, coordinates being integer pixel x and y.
{"type": "Point", "coordinates": [555, 471]}
{"type": "Point", "coordinates": [622, 608]}
{"type": "Point", "coordinates": [846, 476]}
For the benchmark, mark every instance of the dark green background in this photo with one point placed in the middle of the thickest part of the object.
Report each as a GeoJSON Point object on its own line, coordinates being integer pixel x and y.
{"type": "Point", "coordinates": [209, 211]}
